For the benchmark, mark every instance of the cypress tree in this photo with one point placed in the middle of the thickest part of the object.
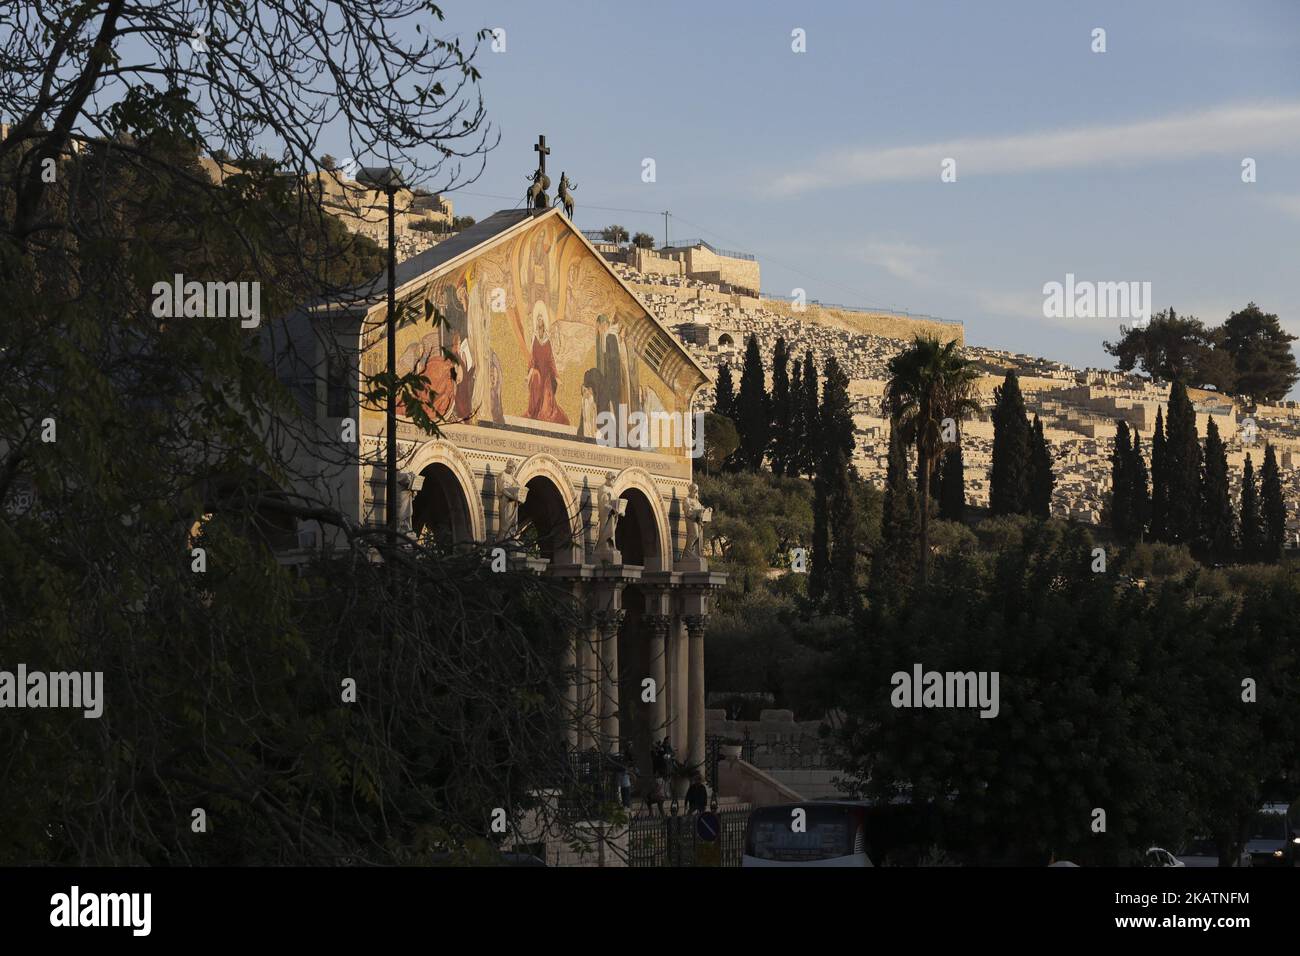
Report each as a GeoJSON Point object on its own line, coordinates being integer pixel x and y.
{"type": "Point", "coordinates": [798, 425]}
{"type": "Point", "coordinates": [1272, 506]}
{"type": "Point", "coordinates": [842, 575]}
{"type": "Point", "coordinates": [1182, 468]}
{"type": "Point", "coordinates": [724, 401]}
{"type": "Point", "coordinates": [1159, 482]}
{"type": "Point", "coordinates": [1216, 509]}
{"type": "Point", "coordinates": [819, 560]}
{"type": "Point", "coordinates": [1139, 497]}
{"type": "Point", "coordinates": [1121, 482]}
{"type": "Point", "coordinates": [952, 483]}
{"type": "Point", "coordinates": [894, 563]}
{"type": "Point", "coordinates": [836, 415]}
{"type": "Point", "coordinates": [1251, 517]}
{"type": "Point", "coordinates": [753, 420]}
{"type": "Point", "coordinates": [812, 445]}
{"type": "Point", "coordinates": [1041, 479]}
{"type": "Point", "coordinates": [1010, 471]}
{"type": "Point", "coordinates": [781, 411]}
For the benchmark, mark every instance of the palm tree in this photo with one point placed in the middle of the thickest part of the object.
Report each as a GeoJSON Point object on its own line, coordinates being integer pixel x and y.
{"type": "Point", "coordinates": [928, 382]}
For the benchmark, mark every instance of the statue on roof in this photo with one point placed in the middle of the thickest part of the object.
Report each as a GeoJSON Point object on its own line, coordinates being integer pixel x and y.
{"type": "Point", "coordinates": [565, 197]}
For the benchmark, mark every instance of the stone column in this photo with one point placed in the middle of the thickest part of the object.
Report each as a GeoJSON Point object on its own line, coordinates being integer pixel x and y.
{"type": "Point", "coordinates": [680, 685]}
{"type": "Point", "coordinates": [695, 693]}
{"type": "Point", "coordinates": [608, 623]}
{"type": "Point", "coordinates": [588, 686]}
{"type": "Point", "coordinates": [571, 689]}
{"type": "Point", "coordinates": [657, 629]}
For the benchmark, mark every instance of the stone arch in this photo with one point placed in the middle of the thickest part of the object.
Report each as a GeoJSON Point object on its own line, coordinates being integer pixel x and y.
{"type": "Point", "coordinates": [644, 497]}
{"type": "Point", "coordinates": [446, 467]}
{"type": "Point", "coordinates": [725, 341]}
{"type": "Point", "coordinates": [544, 472]}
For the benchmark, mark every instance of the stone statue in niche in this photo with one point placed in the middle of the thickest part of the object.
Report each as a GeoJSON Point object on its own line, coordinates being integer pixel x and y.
{"type": "Point", "coordinates": [612, 508]}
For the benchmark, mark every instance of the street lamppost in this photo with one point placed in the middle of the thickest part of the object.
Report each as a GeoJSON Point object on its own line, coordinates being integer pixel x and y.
{"type": "Point", "coordinates": [388, 180]}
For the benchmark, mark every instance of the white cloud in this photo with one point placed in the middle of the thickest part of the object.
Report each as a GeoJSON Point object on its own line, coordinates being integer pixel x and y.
{"type": "Point", "coordinates": [903, 260]}
{"type": "Point", "coordinates": [1234, 130]}
{"type": "Point", "coordinates": [1028, 306]}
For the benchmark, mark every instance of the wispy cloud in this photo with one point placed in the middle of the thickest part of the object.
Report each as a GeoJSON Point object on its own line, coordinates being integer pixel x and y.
{"type": "Point", "coordinates": [903, 260]}
{"type": "Point", "coordinates": [1236, 130]}
{"type": "Point", "coordinates": [1027, 306]}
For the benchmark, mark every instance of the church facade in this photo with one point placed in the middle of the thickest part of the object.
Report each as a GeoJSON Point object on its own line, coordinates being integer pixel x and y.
{"type": "Point", "coordinates": [537, 356]}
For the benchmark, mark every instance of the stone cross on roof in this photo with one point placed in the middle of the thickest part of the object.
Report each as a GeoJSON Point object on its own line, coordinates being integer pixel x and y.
{"type": "Point", "coordinates": [537, 197]}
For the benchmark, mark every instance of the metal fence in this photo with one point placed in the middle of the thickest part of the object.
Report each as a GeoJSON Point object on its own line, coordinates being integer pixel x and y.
{"type": "Point", "coordinates": [588, 783]}
{"type": "Point", "coordinates": [674, 840]}
{"type": "Point", "coordinates": [729, 253]}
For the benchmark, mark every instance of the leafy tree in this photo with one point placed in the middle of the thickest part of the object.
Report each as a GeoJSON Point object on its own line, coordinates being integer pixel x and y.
{"type": "Point", "coordinates": [1250, 354]}
{"type": "Point", "coordinates": [758, 518]}
{"type": "Point", "coordinates": [1010, 472]}
{"type": "Point", "coordinates": [643, 240]}
{"type": "Point", "coordinates": [1261, 355]}
{"type": "Point", "coordinates": [720, 441]}
{"type": "Point", "coordinates": [1217, 520]}
{"type": "Point", "coordinates": [1041, 479]}
{"type": "Point", "coordinates": [1273, 507]}
{"type": "Point", "coordinates": [222, 688]}
{"type": "Point", "coordinates": [753, 419]}
{"type": "Point", "coordinates": [1168, 347]}
{"type": "Point", "coordinates": [1251, 516]}
{"type": "Point", "coordinates": [614, 233]}
{"type": "Point", "coordinates": [782, 411]}
{"type": "Point", "coordinates": [928, 383]}
{"type": "Point", "coordinates": [1140, 697]}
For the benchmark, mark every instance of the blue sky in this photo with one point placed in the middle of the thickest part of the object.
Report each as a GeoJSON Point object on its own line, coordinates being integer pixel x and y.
{"type": "Point", "coordinates": [1123, 165]}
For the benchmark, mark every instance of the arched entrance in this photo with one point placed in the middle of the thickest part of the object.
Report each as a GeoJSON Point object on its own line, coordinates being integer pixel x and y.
{"type": "Point", "coordinates": [545, 525]}
{"type": "Point", "coordinates": [440, 509]}
{"type": "Point", "coordinates": [637, 537]}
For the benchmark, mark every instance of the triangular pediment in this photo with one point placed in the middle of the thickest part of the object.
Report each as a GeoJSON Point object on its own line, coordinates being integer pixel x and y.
{"type": "Point", "coordinates": [546, 333]}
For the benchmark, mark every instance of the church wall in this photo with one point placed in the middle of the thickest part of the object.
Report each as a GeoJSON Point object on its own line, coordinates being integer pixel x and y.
{"type": "Point", "coordinates": [546, 339]}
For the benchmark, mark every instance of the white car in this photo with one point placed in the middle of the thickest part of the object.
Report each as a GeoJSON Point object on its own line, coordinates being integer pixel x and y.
{"type": "Point", "coordinates": [1158, 856]}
